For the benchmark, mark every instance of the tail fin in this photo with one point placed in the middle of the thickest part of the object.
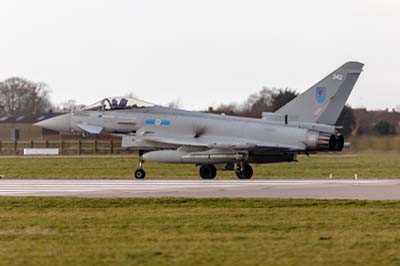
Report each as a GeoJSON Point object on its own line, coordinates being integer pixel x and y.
{"type": "Point", "coordinates": [323, 102]}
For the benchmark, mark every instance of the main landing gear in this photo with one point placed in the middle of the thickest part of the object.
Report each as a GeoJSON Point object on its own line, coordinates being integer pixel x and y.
{"type": "Point", "coordinates": [208, 171]}
{"type": "Point", "coordinates": [244, 171]}
{"type": "Point", "coordinates": [140, 173]}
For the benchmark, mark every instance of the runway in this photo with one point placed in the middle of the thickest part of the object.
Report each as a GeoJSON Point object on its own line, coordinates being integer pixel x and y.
{"type": "Point", "coordinates": [317, 189]}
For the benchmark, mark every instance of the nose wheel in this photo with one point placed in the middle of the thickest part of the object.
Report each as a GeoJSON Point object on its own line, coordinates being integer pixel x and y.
{"type": "Point", "coordinates": [140, 173]}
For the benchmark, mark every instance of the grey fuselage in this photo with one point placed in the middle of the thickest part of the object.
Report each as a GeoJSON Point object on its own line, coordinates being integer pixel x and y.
{"type": "Point", "coordinates": [197, 127]}
{"type": "Point", "coordinates": [303, 125]}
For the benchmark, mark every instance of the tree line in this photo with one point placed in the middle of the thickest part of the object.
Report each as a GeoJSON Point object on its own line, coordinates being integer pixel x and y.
{"type": "Point", "coordinates": [271, 99]}
{"type": "Point", "coordinates": [18, 95]}
{"type": "Point", "coordinates": [22, 96]}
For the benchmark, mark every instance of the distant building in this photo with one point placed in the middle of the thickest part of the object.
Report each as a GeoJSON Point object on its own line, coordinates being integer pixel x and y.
{"type": "Point", "coordinates": [366, 120]}
{"type": "Point", "coordinates": [20, 127]}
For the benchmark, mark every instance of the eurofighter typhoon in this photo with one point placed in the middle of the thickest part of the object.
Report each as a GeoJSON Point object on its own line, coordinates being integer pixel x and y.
{"type": "Point", "coordinates": [166, 135]}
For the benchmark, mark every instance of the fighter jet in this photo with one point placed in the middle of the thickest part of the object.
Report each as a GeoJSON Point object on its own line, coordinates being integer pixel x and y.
{"type": "Point", "coordinates": [220, 142]}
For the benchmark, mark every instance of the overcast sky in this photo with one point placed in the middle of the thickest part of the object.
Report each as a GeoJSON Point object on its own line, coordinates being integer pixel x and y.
{"type": "Point", "coordinates": [201, 52]}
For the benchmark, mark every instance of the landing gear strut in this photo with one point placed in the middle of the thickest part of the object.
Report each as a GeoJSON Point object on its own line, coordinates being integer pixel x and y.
{"type": "Point", "coordinates": [244, 171]}
{"type": "Point", "coordinates": [208, 171]}
{"type": "Point", "coordinates": [140, 173]}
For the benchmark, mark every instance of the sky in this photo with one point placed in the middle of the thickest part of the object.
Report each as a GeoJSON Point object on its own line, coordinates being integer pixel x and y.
{"type": "Point", "coordinates": [200, 53]}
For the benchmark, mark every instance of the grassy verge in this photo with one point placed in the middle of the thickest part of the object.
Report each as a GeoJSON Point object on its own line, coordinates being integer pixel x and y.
{"type": "Point", "coordinates": [366, 166]}
{"type": "Point", "coordinates": [373, 144]}
{"type": "Point", "coordinates": [65, 231]}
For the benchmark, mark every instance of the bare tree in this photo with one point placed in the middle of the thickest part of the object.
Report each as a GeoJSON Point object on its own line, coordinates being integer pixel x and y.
{"type": "Point", "coordinates": [69, 106]}
{"type": "Point", "coordinates": [175, 104]}
{"type": "Point", "coordinates": [19, 95]}
{"type": "Point", "coordinates": [266, 100]}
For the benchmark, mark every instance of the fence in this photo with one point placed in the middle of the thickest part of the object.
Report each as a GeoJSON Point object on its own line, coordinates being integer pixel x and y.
{"type": "Point", "coordinates": [76, 147]}
{"type": "Point", "coordinates": [67, 147]}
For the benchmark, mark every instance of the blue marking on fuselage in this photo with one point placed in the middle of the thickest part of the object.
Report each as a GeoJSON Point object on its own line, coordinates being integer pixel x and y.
{"type": "Point", "coordinates": [165, 122]}
{"type": "Point", "coordinates": [158, 122]}
{"type": "Point", "coordinates": [150, 121]}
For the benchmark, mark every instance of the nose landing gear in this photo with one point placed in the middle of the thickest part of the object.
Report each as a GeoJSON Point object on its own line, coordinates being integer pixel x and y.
{"type": "Point", "coordinates": [140, 173]}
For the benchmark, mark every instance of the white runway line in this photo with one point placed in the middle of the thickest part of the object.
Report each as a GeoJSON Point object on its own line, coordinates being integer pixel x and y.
{"type": "Point", "coordinates": [194, 188]}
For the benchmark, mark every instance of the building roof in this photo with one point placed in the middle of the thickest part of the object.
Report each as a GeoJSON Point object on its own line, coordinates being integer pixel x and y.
{"type": "Point", "coordinates": [24, 118]}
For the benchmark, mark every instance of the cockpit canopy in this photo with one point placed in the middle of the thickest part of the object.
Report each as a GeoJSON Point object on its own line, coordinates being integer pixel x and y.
{"type": "Point", "coordinates": [118, 103]}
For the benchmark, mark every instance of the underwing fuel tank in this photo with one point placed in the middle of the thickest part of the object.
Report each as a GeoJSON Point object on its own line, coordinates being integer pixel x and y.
{"type": "Point", "coordinates": [215, 157]}
{"type": "Point", "coordinates": [209, 157]}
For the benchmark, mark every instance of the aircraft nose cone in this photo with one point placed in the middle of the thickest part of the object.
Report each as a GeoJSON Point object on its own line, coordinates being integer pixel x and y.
{"type": "Point", "coordinates": [60, 123]}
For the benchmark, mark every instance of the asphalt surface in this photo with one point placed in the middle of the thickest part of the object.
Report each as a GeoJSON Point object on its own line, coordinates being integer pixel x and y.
{"type": "Point", "coordinates": [317, 189]}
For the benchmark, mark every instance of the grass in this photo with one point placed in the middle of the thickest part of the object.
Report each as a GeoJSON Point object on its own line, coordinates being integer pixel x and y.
{"type": "Point", "coordinates": [366, 166]}
{"type": "Point", "coordinates": [73, 231]}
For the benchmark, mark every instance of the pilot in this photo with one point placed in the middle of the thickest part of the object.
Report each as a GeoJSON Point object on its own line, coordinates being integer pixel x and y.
{"type": "Point", "coordinates": [114, 103]}
{"type": "Point", "coordinates": [123, 103]}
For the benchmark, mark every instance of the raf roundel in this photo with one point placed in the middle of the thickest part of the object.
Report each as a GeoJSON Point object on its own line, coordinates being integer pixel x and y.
{"type": "Point", "coordinates": [320, 94]}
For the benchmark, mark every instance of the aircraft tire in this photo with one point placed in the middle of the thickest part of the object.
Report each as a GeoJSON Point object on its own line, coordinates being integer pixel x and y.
{"type": "Point", "coordinates": [247, 172]}
{"type": "Point", "coordinates": [140, 174]}
{"type": "Point", "coordinates": [208, 171]}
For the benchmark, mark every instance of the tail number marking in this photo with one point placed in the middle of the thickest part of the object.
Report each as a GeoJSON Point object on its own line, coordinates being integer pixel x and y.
{"type": "Point", "coordinates": [337, 77]}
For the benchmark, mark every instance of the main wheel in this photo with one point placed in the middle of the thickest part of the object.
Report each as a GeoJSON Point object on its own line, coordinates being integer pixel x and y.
{"type": "Point", "coordinates": [245, 173]}
{"type": "Point", "coordinates": [140, 174]}
{"type": "Point", "coordinates": [208, 171]}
